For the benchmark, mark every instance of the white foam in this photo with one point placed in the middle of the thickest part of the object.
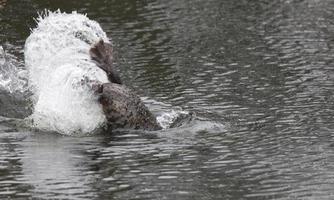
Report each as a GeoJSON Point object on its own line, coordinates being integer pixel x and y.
{"type": "Point", "coordinates": [166, 119]}
{"type": "Point", "coordinates": [57, 58]}
{"type": "Point", "coordinates": [12, 78]}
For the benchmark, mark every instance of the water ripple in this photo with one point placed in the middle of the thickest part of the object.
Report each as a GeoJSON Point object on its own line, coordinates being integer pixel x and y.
{"type": "Point", "coordinates": [257, 75]}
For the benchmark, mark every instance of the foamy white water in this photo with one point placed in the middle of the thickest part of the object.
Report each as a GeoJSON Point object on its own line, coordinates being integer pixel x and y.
{"type": "Point", "coordinates": [12, 77]}
{"type": "Point", "coordinates": [57, 58]}
{"type": "Point", "coordinates": [165, 115]}
{"type": "Point", "coordinates": [167, 118]}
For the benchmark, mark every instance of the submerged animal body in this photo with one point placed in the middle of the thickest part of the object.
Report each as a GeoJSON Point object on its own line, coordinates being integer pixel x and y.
{"type": "Point", "coordinates": [75, 87]}
{"type": "Point", "coordinates": [124, 109]}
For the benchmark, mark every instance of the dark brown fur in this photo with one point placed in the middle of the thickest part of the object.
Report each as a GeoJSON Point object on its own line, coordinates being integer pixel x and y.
{"type": "Point", "coordinates": [101, 52]}
{"type": "Point", "coordinates": [124, 109]}
{"type": "Point", "coordinates": [121, 106]}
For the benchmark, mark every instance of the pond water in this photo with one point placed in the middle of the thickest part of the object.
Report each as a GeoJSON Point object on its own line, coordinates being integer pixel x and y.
{"type": "Point", "coordinates": [258, 76]}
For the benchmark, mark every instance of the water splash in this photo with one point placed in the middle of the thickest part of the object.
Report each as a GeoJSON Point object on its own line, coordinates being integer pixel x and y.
{"type": "Point", "coordinates": [168, 116]}
{"type": "Point", "coordinates": [177, 117]}
{"type": "Point", "coordinates": [58, 61]}
{"type": "Point", "coordinates": [57, 58]}
{"type": "Point", "coordinates": [12, 77]}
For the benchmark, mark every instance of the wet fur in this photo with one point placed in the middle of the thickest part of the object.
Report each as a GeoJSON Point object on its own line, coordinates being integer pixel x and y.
{"type": "Point", "coordinates": [101, 52]}
{"type": "Point", "coordinates": [121, 106]}
{"type": "Point", "coordinates": [124, 109]}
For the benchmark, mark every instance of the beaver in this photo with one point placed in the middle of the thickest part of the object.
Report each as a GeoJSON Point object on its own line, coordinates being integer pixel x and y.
{"type": "Point", "coordinates": [122, 107]}
{"type": "Point", "coordinates": [75, 87]}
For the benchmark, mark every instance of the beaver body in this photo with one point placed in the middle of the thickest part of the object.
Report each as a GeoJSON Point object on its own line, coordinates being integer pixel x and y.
{"type": "Point", "coordinates": [124, 109]}
{"type": "Point", "coordinates": [74, 84]}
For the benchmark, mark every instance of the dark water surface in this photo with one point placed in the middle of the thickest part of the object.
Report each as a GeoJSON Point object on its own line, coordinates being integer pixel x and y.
{"type": "Point", "coordinates": [259, 75]}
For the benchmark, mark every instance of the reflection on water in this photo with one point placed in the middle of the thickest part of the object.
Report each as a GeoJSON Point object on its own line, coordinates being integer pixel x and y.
{"type": "Point", "coordinates": [258, 75]}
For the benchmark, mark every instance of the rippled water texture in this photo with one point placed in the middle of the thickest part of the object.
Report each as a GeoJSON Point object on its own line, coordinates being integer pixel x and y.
{"type": "Point", "coordinates": [257, 74]}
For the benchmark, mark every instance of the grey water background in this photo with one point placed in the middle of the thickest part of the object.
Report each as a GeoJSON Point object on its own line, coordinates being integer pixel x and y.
{"type": "Point", "coordinates": [257, 74]}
